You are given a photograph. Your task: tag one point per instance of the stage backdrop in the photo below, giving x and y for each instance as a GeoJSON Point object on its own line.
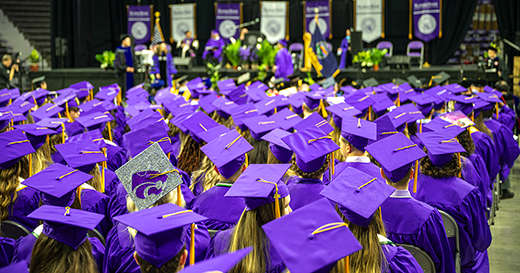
{"type": "Point", "coordinates": [426, 19]}
{"type": "Point", "coordinates": [229, 17]}
{"type": "Point", "coordinates": [322, 9]}
{"type": "Point", "coordinates": [273, 23]}
{"type": "Point", "coordinates": [182, 19]}
{"type": "Point", "coordinates": [139, 23]}
{"type": "Point", "coordinates": [369, 19]}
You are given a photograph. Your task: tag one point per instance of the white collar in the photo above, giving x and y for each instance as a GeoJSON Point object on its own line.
{"type": "Point", "coordinates": [401, 194]}
{"type": "Point", "coordinates": [360, 159]}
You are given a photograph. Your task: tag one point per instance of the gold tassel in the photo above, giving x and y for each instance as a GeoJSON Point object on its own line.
{"type": "Point", "coordinates": [416, 172]}
{"type": "Point", "coordinates": [440, 19]}
{"type": "Point", "coordinates": [398, 100]}
{"type": "Point", "coordinates": [179, 201]}
{"type": "Point", "coordinates": [323, 110]}
{"type": "Point", "coordinates": [383, 19]}
{"type": "Point", "coordinates": [67, 111]}
{"type": "Point", "coordinates": [496, 106]}
{"type": "Point", "coordinates": [420, 126]}
{"type": "Point", "coordinates": [247, 161]}
{"type": "Point", "coordinates": [109, 131]}
{"type": "Point", "coordinates": [192, 244]}
{"type": "Point", "coordinates": [347, 265]}
{"type": "Point", "coordinates": [460, 165]}
{"type": "Point", "coordinates": [30, 165]}
{"type": "Point", "coordinates": [410, 22]}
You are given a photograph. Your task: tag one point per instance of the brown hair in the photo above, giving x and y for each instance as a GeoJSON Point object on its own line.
{"type": "Point", "coordinates": [314, 175]}
{"type": "Point", "coordinates": [481, 126]}
{"type": "Point", "coordinates": [450, 169]}
{"type": "Point", "coordinates": [259, 154]}
{"type": "Point", "coordinates": [52, 256]}
{"type": "Point", "coordinates": [191, 156]}
{"type": "Point", "coordinates": [170, 266]}
{"type": "Point", "coordinates": [336, 137]}
{"type": "Point", "coordinates": [206, 175]}
{"type": "Point", "coordinates": [271, 159]}
{"type": "Point", "coordinates": [466, 141]}
{"type": "Point", "coordinates": [10, 182]}
{"type": "Point", "coordinates": [95, 182]}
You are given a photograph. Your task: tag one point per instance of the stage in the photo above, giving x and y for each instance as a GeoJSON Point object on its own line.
{"type": "Point", "coordinates": [62, 78]}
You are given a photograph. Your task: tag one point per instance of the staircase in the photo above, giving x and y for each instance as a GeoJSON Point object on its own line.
{"type": "Point", "coordinates": [33, 20]}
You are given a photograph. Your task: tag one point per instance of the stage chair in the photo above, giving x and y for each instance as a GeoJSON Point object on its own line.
{"type": "Point", "coordinates": [13, 230]}
{"type": "Point", "coordinates": [94, 233]}
{"type": "Point", "coordinates": [418, 52]}
{"type": "Point", "coordinates": [139, 48]}
{"type": "Point", "coordinates": [386, 45]}
{"type": "Point", "coordinates": [424, 260]}
{"type": "Point", "coordinates": [297, 49]}
{"type": "Point", "coordinates": [452, 231]}
{"type": "Point", "coordinates": [212, 232]}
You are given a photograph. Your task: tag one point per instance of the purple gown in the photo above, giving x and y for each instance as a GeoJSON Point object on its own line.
{"type": "Point", "coordinates": [73, 128]}
{"type": "Point", "coordinates": [343, 57]}
{"type": "Point", "coordinates": [503, 138]}
{"type": "Point", "coordinates": [486, 149]}
{"type": "Point", "coordinates": [461, 201]}
{"type": "Point", "coordinates": [6, 251]}
{"type": "Point", "coordinates": [419, 225]}
{"type": "Point", "coordinates": [361, 163]}
{"type": "Point", "coordinates": [283, 62]}
{"type": "Point", "coordinates": [96, 202]}
{"type": "Point", "coordinates": [222, 212]}
{"type": "Point", "coordinates": [116, 157]}
{"type": "Point", "coordinates": [473, 177]}
{"type": "Point", "coordinates": [27, 201]}
{"type": "Point", "coordinates": [208, 50]}
{"type": "Point", "coordinates": [399, 260]}
{"type": "Point", "coordinates": [304, 191]}
{"type": "Point", "coordinates": [506, 117]}
{"type": "Point", "coordinates": [170, 68]}
{"type": "Point", "coordinates": [220, 243]}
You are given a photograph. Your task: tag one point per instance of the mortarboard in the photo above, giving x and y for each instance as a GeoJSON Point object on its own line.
{"type": "Point", "coordinates": [384, 128]}
{"type": "Point", "coordinates": [87, 106]}
{"type": "Point", "coordinates": [492, 98]}
{"type": "Point", "coordinates": [141, 139]}
{"type": "Point", "coordinates": [370, 82]}
{"type": "Point", "coordinates": [226, 85]}
{"type": "Point", "coordinates": [66, 225]}
{"type": "Point", "coordinates": [46, 111]}
{"type": "Point", "coordinates": [81, 155]}
{"type": "Point", "coordinates": [222, 263]}
{"type": "Point", "coordinates": [109, 92]}
{"type": "Point", "coordinates": [342, 110]}
{"type": "Point", "coordinates": [213, 133]}
{"type": "Point", "coordinates": [424, 102]}
{"type": "Point", "coordinates": [227, 152]}
{"type": "Point", "coordinates": [313, 99]}
{"type": "Point", "coordinates": [256, 93]}
{"type": "Point", "coordinates": [458, 118]}
{"type": "Point", "coordinates": [21, 107]}
{"type": "Point", "coordinates": [440, 78]}
{"type": "Point", "coordinates": [207, 103]}
{"type": "Point", "coordinates": [260, 125]}
{"type": "Point", "coordinates": [399, 81]}
{"type": "Point", "coordinates": [52, 123]}
{"type": "Point", "coordinates": [280, 150]}
{"type": "Point", "coordinates": [359, 100]}
{"type": "Point", "coordinates": [358, 195]}
{"type": "Point", "coordinates": [178, 119]}
{"type": "Point", "coordinates": [464, 103]}
{"type": "Point", "coordinates": [456, 88]}
{"type": "Point", "coordinates": [266, 106]}
{"type": "Point", "coordinates": [314, 120]}
{"type": "Point", "coordinates": [312, 238]}
{"type": "Point", "coordinates": [146, 118]}
{"type": "Point", "coordinates": [440, 125]}
{"type": "Point", "coordinates": [67, 95]}
{"type": "Point", "coordinates": [404, 114]}
{"type": "Point", "coordinates": [95, 136]}
{"type": "Point", "coordinates": [36, 134]}
{"type": "Point", "coordinates": [286, 119]}
{"type": "Point", "coordinates": [224, 106]}
{"type": "Point", "coordinates": [7, 94]}
{"type": "Point", "coordinates": [358, 132]}
{"type": "Point", "coordinates": [238, 95]}
{"type": "Point", "coordinates": [414, 81]}
{"type": "Point", "coordinates": [38, 80]}
{"type": "Point", "coordinates": [95, 120]}
{"type": "Point", "coordinates": [481, 106]}
{"type": "Point", "coordinates": [15, 145]}
{"type": "Point", "coordinates": [441, 146]}
{"type": "Point", "coordinates": [242, 112]}
{"type": "Point", "coordinates": [198, 122]}
{"type": "Point", "coordinates": [296, 101]}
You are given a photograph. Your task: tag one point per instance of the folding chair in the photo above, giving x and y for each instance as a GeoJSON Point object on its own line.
{"type": "Point", "coordinates": [452, 231]}
{"type": "Point", "coordinates": [139, 48]}
{"type": "Point", "coordinates": [13, 230]}
{"type": "Point", "coordinates": [386, 45]}
{"type": "Point", "coordinates": [424, 260]}
{"type": "Point", "coordinates": [94, 233]}
{"type": "Point", "coordinates": [418, 52]}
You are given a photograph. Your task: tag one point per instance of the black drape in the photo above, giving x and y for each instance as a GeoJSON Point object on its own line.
{"type": "Point", "coordinates": [508, 17]}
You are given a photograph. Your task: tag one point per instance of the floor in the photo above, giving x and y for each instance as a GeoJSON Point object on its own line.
{"type": "Point", "coordinates": [504, 253]}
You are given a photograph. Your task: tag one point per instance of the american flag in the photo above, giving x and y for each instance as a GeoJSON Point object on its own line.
{"type": "Point", "coordinates": [157, 35]}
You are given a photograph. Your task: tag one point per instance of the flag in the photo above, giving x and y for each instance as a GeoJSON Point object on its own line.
{"type": "Point", "coordinates": [322, 57]}
{"type": "Point", "coordinates": [157, 35]}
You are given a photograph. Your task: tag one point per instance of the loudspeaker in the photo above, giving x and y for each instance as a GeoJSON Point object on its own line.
{"type": "Point", "coordinates": [356, 42]}
{"type": "Point", "coordinates": [251, 38]}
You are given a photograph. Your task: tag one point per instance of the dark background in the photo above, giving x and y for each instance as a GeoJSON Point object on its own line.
{"type": "Point", "coordinates": [88, 27]}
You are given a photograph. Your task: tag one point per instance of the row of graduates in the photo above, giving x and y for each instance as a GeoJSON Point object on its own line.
{"type": "Point", "coordinates": [265, 130]}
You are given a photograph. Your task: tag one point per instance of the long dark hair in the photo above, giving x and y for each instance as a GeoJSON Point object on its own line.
{"type": "Point", "coordinates": [191, 156]}
{"type": "Point", "coordinates": [259, 154]}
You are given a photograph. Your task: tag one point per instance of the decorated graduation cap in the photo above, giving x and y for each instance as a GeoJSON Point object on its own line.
{"type": "Point", "coordinates": [458, 118]}
{"type": "Point", "coordinates": [286, 119]}
{"type": "Point", "coordinates": [260, 125]}
{"type": "Point", "coordinates": [15, 145]}
{"type": "Point", "coordinates": [311, 239]}
{"type": "Point", "coordinates": [66, 225]}
{"type": "Point", "coordinates": [141, 139]}
{"type": "Point", "coordinates": [242, 112]}
{"type": "Point", "coordinates": [311, 147]}
{"type": "Point", "coordinates": [441, 146]}
{"type": "Point", "coordinates": [314, 120]}
{"type": "Point", "coordinates": [161, 231]}
{"type": "Point", "coordinates": [280, 150]}
{"type": "Point", "coordinates": [221, 263]}
{"type": "Point", "coordinates": [261, 184]}
{"type": "Point", "coordinates": [224, 107]}
{"type": "Point", "coordinates": [228, 153]}
{"type": "Point", "coordinates": [440, 78]}
{"type": "Point", "coordinates": [36, 134]}
{"type": "Point", "coordinates": [342, 110]}
{"type": "Point", "coordinates": [198, 122]}
{"type": "Point", "coordinates": [82, 155]}
{"type": "Point", "coordinates": [46, 111]}
{"type": "Point", "coordinates": [358, 195]}
{"type": "Point", "coordinates": [57, 184]}
{"type": "Point", "coordinates": [213, 133]}
{"type": "Point", "coordinates": [358, 132]}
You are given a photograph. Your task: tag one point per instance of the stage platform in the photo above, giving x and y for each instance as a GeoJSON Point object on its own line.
{"type": "Point", "coordinates": [61, 78]}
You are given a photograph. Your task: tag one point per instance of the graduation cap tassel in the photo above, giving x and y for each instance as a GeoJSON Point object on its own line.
{"type": "Point", "coordinates": [440, 19]}
{"type": "Point", "coordinates": [473, 117]}
{"type": "Point", "coordinates": [410, 24]}
{"type": "Point", "coordinates": [30, 165]}
{"type": "Point", "coordinates": [192, 244]}
{"type": "Point", "coordinates": [247, 161]}
{"type": "Point", "coordinates": [398, 100]}
{"type": "Point", "coordinates": [78, 193]}
{"type": "Point", "coordinates": [331, 165]}
{"type": "Point", "coordinates": [415, 173]}
{"type": "Point", "coordinates": [347, 265]}
{"type": "Point", "coordinates": [369, 116]}
{"type": "Point", "coordinates": [67, 111]}
{"type": "Point", "coordinates": [460, 165]}
{"type": "Point", "coordinates": [496, 108]}
{"type": "Point", "coordinates": [323, 111]}
{"type": "Point", "coordinates": [179, 201]}
{"type": "Point", "coordinates": [420, 126]}
{"type": "Point", "coordinates": [47, 140]}
{"type": "Point", "coordinates": [110, 131]}
{"type": "Point", "coordinates": [63, 133]}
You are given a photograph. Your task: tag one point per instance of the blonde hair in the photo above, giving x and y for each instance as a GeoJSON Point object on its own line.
{"type": "Point", "coordinates": [9, 183]}
{"type": "Point", "coordinates": [206, 175]}
{"type": "Point", "coordinates": [96, 182]}
{"type": "Point", "coordinates": [336, 137]}
{"type": "Point", "coordinates": [41, 158]}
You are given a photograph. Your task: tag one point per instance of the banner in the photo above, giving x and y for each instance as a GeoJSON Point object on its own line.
{"type": "Point", "coordinates": [322, 57]}
{"type": "Point", "coordinates": [139, 18]}
{"type": "Point", "coordinates": [273, 21]}
{"type": "Point", "coordinates": [229, 17]}
{"type": "Point", "coordinates": [182, 18]}
{"type": "Point", "coordinates": [369, 19]}
{"type": "Point", "coordinates": [426, 18]}
{"type": "Point", "coordinates": [322, 9]}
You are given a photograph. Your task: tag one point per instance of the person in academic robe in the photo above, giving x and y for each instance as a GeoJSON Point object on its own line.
{"type": "Point", "coordinates": [163, 67]}
{"type": "Point", "coordinates": [495, 62]}
{"type": "Point", "coordinates": [344, 51]}
{"type": "Point", "coordinates": [124, 64]}
{"type": "Point", "coordinates": [283, 66]}
{"type": "Point", "coordinates": [214, 48]}
{"type": "Point", "coordinates": [188, 45]}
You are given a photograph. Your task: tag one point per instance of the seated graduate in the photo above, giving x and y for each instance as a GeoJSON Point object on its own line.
{"type": "Point", "coordinates": [313, 149]}
{"type": "Point", "coordinates": [17, 200]}
{"type": "Point", "coordinates": [150, 180]}
{"type": "Point", "coordinates": [358, 197]}
{"type": "Point", "coordinates": [266, 198]}
{"type": "Point", "coordinates": [37, 136]}
{"type": "Point", "coordinates": [283, 66]}
{"type": "Point", "coordinates": [160, 237]}
{"type": "Point", "coordinates": [338, 112]}
{"type": "Point", "coordinates": [228, 153]}
{"type": "Point", "coordinates": [439, 186]}
{"type": "Point", "coordinates": [407, 220]}
{"type": "Point", "coordinates": [214, 48]}
{"type": "Point", "coordinates": [188, 45]}
{"type": "Point", "coordinates": [295, 235]}
{"type": "Point", "coordinates": [63, 243]}
{"type": "Point", "coordinates": [58, 186]}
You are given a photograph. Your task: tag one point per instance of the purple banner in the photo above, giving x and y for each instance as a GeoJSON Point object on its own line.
{"type": "Point", "coordinates": [322, 8]}
{"type": "Point", "coordinates": [228, 19]}
{"type": "Point", "coordinates": [139, 23]}
{"type": "Point", "coordinates": [426, 19]}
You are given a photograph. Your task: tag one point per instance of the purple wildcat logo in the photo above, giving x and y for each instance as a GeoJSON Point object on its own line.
{"type": "Point", "coordinates": [143, 186]}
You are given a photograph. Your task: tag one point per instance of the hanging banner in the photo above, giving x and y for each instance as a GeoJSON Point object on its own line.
{"type": "Point", "coordinates": [426, 18]}
{"type": "Point", "coordinates": [322, 9]}
{"type": "Point", "coordinates": [182, 18]}
{"type": "Point", "coordinates": [273, 22]}
{"type": "Point", "coordinates": [139, 27]}
{"type": "Point", "coordinates": [229, 17]}
{"type": "Point", "coordinates": [369, 19]}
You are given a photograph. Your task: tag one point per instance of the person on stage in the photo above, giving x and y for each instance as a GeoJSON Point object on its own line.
{"type": "Point", "coordinates": [124, 64]}
{"type": "Point", "coordinates": [188, 45]}
{"type": "Point", "coordinates": [494, 61]}
{"type": "Point", "coordinates": [344, 50]}
{"type": "Point", "coordinates": [163, 67]}
{"type": "Point", "coordinates": [283, 66]}
{"type": "Point", "coordinates": [7, 69]}
{"type": "Point", "coordinates": [214, 48]}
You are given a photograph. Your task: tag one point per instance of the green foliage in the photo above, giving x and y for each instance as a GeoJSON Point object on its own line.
{"type": "Point", "coordinates": [35, 56]}
{"type": "Point", "coordinates": [232, 52]}
{"type": "Point", "coordinates": [266, 53]}
{"type": "Point", "coordinates": [106, 59]}
{"type": "Point", "coordinates": [309, 79]}
{"type": "Point", "coordinates": [262, 72]}
{"type": "Point", "coordinates": [213, 73]}
{"type": "Point", "coordinates": [370, 57]}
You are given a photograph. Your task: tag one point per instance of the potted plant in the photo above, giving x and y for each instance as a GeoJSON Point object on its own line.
{"type": "Point", "coordinates": [214, 74]}
{"type": "Point", "coordinates": [106, 59]}
{"type": "Point", "coordinates": [370, 58]}
{"type": "Point", "coordinates": [232, 53]}
{"type": "Point", "coordinates": [35, 60]}
{"type": "Point", "coordinates": [266, 53]}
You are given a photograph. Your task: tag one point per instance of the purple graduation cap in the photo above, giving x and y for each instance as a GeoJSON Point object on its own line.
{"type": "Point", "coordinates": [242, 112]}
{"type": "Point", "coordinates": [66, 95]}
{"type": "Point", "coordinates": [148, 176]}
{"type": "Point", "coordinates": [141, 139]}
{"type": "Point", "coordinates": [314, 120]}
{"type": "Point", "coordinates": [440, 125]}
{"type": "Point", "coordinates": [228, 152]}
{"type": "Point", "coordinates": [382, 106]}
{"type": "Point", "coordinates": [21, 107]}
{"type": "Point", "coordinates": [51, 123]}
{"type": "Point", "coordinates": [311, 239]}
{"type": "Point", "coordinates": [340, 111]}
{"type": "Point", "coordinates": [313, 99]}
{"type": "Point", "coordinates": [82, 155]}
{"type": "Point", "coordinates": [491, 98]}
{"type": "Point", "coordinates": [46, 111]}
{"type": "Point", "coordinates": [396, 155]}
{"type": "Point", "coordinates": [296, 101]}
{"type": "Point", "coordinates": [179, 106]}
{"type": "Point", "coordinates": [225, 86]}
{"type": "Point", "coordinates": [6, 115]}
{"type": "Point", "coordinates": [37, 135]}
{"type": "Point", "coordinates": [424, 103]}
{"type": "Point", "coordinates": [87, 106]}
{"type": "Point", "coordinates": [359, 100]}
{"type": "Point", "coordinates": [7, 94]}
{"type": "Point", "coordinates": [384, 128]}
{"type": "Point", "coordinates": [95, 120]}
{"type": "Point", "coordinates": [198, 122]}
{"type": "Point", "coordinates": [464, 103]}
{"type": "Point", "coordinates": [161, 231]}
{"type": "Point", "coordinates": [206, 103]}
{"type": "Point", "coordinates": [15, 145]}
{"type": "Point", "coordinates": [260, 125]}
{"type": "Point", "coordinates": [146, 118]}
{"type": "Point", "coordinates": [213, 133]}
{"type": "Point", "coordinates": [108, 92]}
{"type": "Point", "coordinates": [481, 106]}
{"type": "Point", "coordinates": [280, 150]}
{"type": "Point", "coordinates": [57, 184]}
{"type": "Point", "coordinates": [404, 114]}
{"type": "Point", "coordinates": [256, 93]}
{"type": "Point", "coordinates": [441, 146]}
{"type": "Point", "coordinates": [261, 184]}
{"type": "Point", "coordinates": [95, 136]}
{"type": "Point", "coordinates": [358, 195]}
{"type": "Point", "coordinates": [179, 119]}
{"type": "Point", "coordinates": [221, 263]}
{"type": "Point", "coordinates": [238, 95]}
{"type": "Point", "coordinates": [286, 119]}
{"type": "Point", "coordinates": [311, 147]}
{"type": "Point", "coordinates": [66, 225]}
{"type": "Point", "coordinates": [266, 106]}
{"type": "Point", "coordinates": [20, 267]}
{"type": "Point", "coordinates": [358, 132]}
{"type": "Point", "coordinates": [224, 107]}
